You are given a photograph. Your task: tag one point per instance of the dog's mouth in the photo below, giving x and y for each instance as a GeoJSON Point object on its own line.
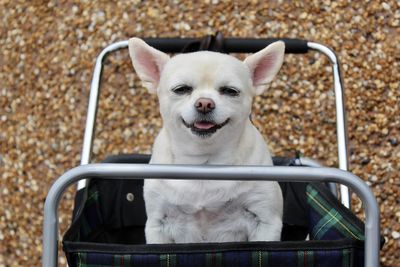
{"type": "Point", "coordinates": [204, 128]}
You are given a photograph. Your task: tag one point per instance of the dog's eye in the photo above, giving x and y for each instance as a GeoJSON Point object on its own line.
{"type": "Point", "coordinates": [182, 89]}
{"type": "Point", "coordinates": [230, 91]}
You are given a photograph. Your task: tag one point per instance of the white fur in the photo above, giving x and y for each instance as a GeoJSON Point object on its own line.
{"type": "Point", "coordinates": [187, 211]}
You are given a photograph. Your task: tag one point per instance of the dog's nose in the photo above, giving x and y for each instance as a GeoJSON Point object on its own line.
{"type": "Point", "coordinates": [204, 105]}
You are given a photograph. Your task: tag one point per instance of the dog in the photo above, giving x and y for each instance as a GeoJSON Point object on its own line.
{"type": "Point", "coordinates": [205, 103]}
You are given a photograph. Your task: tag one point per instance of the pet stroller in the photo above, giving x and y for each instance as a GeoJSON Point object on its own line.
{"type": "Point", "coordinates": [109, 216]}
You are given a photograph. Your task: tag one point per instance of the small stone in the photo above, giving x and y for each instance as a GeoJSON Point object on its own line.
{"type": "Point", "coordinates": [373, 178]}
{"type": "Point", "coordinates": [393, 141]}
{"type": "Point", "coordinates": [303, 15]}
{"type": "Point", "coordinates": [152, 12]}
{"type": "Point", "coordinates": [127, 133]}
{"type": "Point", "coordinates": [395, 235]}
{"type": "Point", "coordinates": [386, 6]}
{"type": "Point", "coordinates": [75, 9]}
{"type": "Point", "coordinates": [365, 161]}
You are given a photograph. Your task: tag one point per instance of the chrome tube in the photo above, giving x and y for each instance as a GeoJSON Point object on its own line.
{"type": "Point", "coordinates": [341, 122]}
{"type": "Point", "coordinates": [93, 103]}
{"type": "Point", "coordinates": [313, 163]}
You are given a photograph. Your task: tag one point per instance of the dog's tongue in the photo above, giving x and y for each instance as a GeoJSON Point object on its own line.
{"type": "Point", "coordinates": [204, 125]}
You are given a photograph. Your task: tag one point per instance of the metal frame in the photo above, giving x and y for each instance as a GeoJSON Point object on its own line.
{"type": "Point", "coordinates": [341, 125]}
{"type": "Point", "coordinates": [314, 163]}
{"type": "Point", "coordinates": [341, 121]}
{"type": "Point", "coordinates": [93, 104]}
{"type": "Point", "coordinates": [255, 173]}
{"type": "Point", "coordinates": [289, 174]}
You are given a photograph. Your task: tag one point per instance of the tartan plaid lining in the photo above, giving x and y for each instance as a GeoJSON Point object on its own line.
{"type": "Point", "coordinates": [260, 258]}
{"type": "Point", "coordinates": [326, 223]}
{"type": "Point", "coordinates": [75, 247]}
{"type": "Point", "coordinates": [329, 218]}
{"type": "Point", "coordinates": [91, 218]}
{"type": "Point", "coordinates": [300, 258]}
{"type": "Point", "coordinates": [305, 258]}
{"type": "Point", "coordinates": [346, 258]}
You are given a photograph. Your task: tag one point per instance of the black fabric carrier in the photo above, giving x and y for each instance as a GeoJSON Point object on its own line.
{"type": "Point", "coordinates": [109, 219]}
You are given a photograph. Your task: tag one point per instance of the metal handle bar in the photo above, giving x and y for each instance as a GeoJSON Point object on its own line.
{"type": "Point", "coordinates": [230, 45]}
{"type": "Point", "coordinates": [255, 173]}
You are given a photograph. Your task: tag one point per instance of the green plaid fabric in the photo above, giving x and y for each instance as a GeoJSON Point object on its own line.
{"type": "Point", "coordinates": [92, 218]}
{"type": "Point", "coordinates": [344, 257]}
{"type": "Point", "coordinates": [329, 220]}
{"type": "Point", "coordinates": [336, 235]}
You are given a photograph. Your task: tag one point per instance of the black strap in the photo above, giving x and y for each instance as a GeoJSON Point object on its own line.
{"type": "Point", "coordinates": [225, 45]}
{"type": "Point", "coordinates": [209, 42]}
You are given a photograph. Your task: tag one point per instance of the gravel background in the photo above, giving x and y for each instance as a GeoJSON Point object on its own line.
{"type": "Point", "coordinates": [47, 54]}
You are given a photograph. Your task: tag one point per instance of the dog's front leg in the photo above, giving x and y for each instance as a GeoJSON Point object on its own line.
{"type": "Point", "coordinates": [155, 232]}
{"type": "Point", "coordinates": [156, 208]}
{"type": "Point", "coordinates": [266, 213]}
{"type": "Point", "coordinates": [267, 231]}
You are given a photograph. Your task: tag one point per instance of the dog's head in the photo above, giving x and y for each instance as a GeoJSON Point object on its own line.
{"type": "Point", "coordinates": [203, 94]}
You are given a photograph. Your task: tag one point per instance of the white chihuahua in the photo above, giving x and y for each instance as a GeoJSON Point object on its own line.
{"type": "Point", "coordinates": [205, 103]}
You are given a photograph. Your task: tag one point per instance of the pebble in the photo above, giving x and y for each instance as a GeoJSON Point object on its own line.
{"type": "Point", "coordinates": [386, 6]}
{"type": "Point", "coordinates": [48, 55]}
{"type": "Point", "coordinates": [395, 235]}
{"type": "Point", "coordinates": [393, 141]}
{"type": "Point", "coordinates": [373, 178]}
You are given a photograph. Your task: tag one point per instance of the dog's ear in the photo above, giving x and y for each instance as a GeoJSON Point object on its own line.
{"type": "Point", "coordinates": [148, 62]}
{"type": "Point", "coordinates": [265, 64]}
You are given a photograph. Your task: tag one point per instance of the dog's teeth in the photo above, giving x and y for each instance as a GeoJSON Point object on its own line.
{"type": "Point", "coordinates": [204, 125]}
